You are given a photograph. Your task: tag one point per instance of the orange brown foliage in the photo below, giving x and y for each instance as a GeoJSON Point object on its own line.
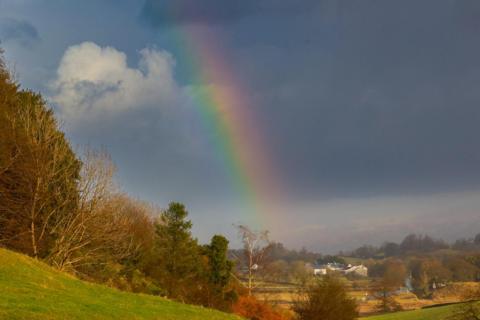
{"type": "Point", "coordinates": [251, 308]}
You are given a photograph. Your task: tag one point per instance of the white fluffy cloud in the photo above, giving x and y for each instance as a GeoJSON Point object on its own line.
{"type": "Point", "coordinates": [94, 81]}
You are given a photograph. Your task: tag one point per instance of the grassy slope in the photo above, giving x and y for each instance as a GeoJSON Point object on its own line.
{"type": "Point", "coordinates": [438, 313]}
{"type": "Point", "coordinates": [425, 314]}
{"type": "Point", "coordinates": [31, 290]}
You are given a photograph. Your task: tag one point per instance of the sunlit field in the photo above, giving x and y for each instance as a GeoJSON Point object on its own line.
{"type": "Point", "coordinates": [33, 290]}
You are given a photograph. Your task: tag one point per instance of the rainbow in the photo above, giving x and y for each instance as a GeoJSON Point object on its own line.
{"type": "Point", "coordinates": [227, 112]}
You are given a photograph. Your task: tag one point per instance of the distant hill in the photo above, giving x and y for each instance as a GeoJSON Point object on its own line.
{"type": "Point", "coordinates": [30, 289]}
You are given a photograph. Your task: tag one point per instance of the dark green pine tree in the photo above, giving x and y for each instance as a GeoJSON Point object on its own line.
{"type": "Point", "coordinates": [218, 294]}
{"type": "Point", "coordinates": [220, 266]}
{"type": "Point", "coordinates": [178, 253]}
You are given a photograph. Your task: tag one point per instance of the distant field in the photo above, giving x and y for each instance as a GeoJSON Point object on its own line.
{"type": "Point", "coordinates": [283, 295]}
{"type": "Point", "coordinates": [32, 290]}
{"type": "Point", "coordinates": [438, 313]}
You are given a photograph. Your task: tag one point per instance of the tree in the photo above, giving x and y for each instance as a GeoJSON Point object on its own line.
{"type": "Point", "coordinates": [220, 266]}
{"type": "Point", "coordinates": [393, 277]}
{"type": "Point", "coordinates": [327, 299]}
{"type": "Point", "coordinates": [477, 239]}
{"type": "Point", "coordinates": [277, 251]}
{"type": "Point", "coordinates": [460, 269]}
{"type": "Point", "coordinates": [39, 172]}
{"type": "Point", "coordinates": [426, 271]}
{"type": "Point", "coordinates": [419, 243]}
{"type": "Point", "coordinates": [464, 244]}
{"type": "Point", "coordinates": [365, 252]}
{"type": "Point", "coordinates": [83, 231]}
{"type": "Point", "coordinates": [255, 246]}
{"type": "Point", "coordinates": [178, 253]}
{"type": "Point", "coordinates": [219, 271]}
{"type": "Point", "coordinates": [300, 273]}
{"type": "Point", "coordinates": [391, 249]}
{"type": "Point", "coordinates": [277, 271]}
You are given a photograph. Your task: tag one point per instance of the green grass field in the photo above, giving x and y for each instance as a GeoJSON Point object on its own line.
{"type": "Point", "coordinates": [438, 313]}
{"type": "Point", "coordinates": [30, 289]}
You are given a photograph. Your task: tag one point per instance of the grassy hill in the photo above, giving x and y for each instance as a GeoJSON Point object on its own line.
{"type": "Point", "coordinates": [30, 289]}
{"type": "Point", "coordinates": [425, 314]}
{"type": "Point", "coordinates": [437, 313]}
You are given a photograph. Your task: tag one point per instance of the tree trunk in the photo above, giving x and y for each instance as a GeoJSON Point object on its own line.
{"type": "Point", "coordinates": [250, 275]}
{"type": "Point", "coordinates": [33, 215]}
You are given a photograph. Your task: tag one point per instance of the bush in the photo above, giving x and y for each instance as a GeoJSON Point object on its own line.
{"type": "Point", "coordinates": [326, 300]}
{"type": "Point", "coordinates": [251, 308]}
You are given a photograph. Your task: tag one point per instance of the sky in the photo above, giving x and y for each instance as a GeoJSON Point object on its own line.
{"type": "Point", "coordinates": [331, 123]}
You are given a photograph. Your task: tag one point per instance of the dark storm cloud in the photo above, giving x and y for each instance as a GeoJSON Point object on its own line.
{"type": "Point", "coordinates": [20, 31]}
{"type": "Point", "coordinates": [387, 102]}
{"type": "Point", "coordinates": [165, 12]}
{"type": "Point", "coordinates": [355, 97]}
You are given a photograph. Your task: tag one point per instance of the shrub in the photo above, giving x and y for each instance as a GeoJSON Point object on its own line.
{"type": "Point", "coordinates": [251, 308]}
{"type": "Point", "coordinates": [326, 300]}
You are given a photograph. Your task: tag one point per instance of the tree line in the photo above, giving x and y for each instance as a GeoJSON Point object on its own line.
{"type": "Point", "coordinates": [413, 244]}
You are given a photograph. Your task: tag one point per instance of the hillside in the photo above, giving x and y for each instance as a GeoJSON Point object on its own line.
{"type": "Point", "coordinates": [32, 290]}
{"type": "Point", "coordinates": [424, 314]}
{"type": "Point", "coordinates": [438, 313]}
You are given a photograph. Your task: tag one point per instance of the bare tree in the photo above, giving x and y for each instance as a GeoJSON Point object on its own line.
{"type": "Point", "coordinates": [255, 247]}
{"type": "Point", "coordinates": [74, 230]}
{"type": "Point", "coordinates": [104, 226]}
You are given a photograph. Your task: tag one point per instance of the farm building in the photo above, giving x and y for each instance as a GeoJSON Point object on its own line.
{"type": "Point", "coordinates": [360, 270]}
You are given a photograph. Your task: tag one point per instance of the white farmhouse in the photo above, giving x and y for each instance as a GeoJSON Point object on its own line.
{"type": "Point", "coordinates": [360, 270]}
{"type": "Point", "coordinates": [321, 270]}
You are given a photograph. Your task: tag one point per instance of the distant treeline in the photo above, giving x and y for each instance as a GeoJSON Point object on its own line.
{"type": "Point", "coordinates": [277, 251]}
{"type": "Point", "coordinates": [427, 262]}
{"type": "Point", "coordinates": [420, 262]}
{"type": "Point", "coordinates": [411, 244]}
